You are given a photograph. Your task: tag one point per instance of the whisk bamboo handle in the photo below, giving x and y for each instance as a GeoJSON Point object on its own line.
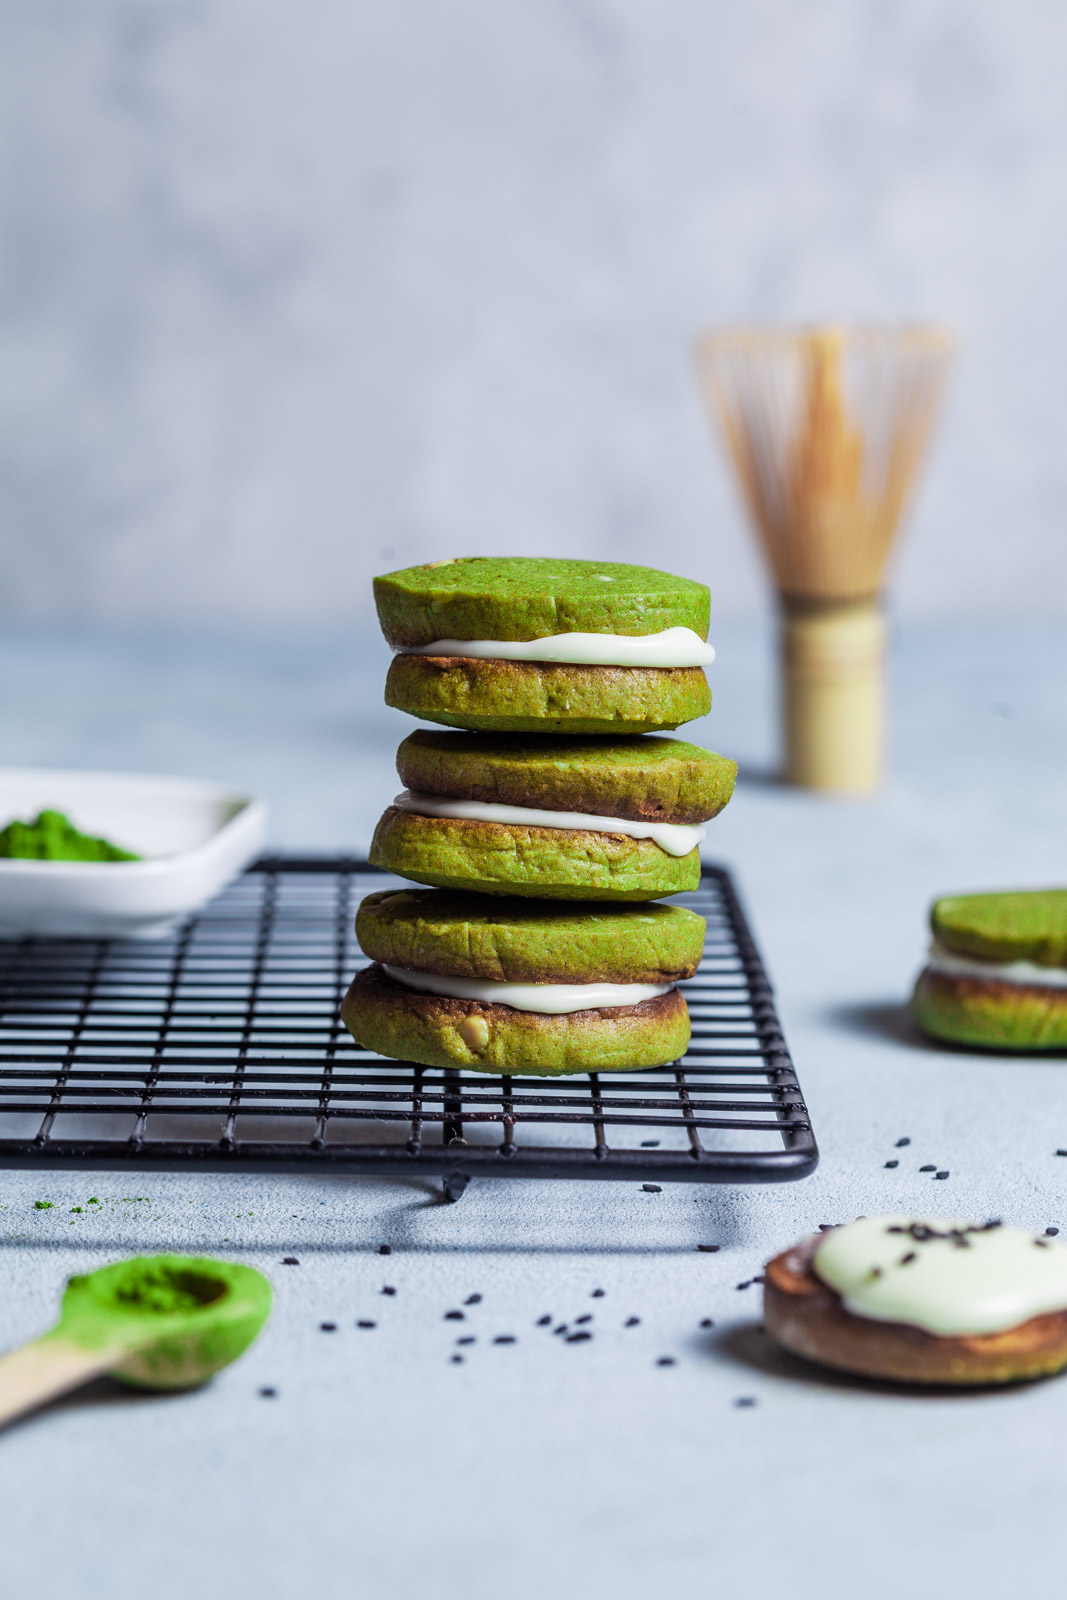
{"type": "Point", "coordinates": [833, 675]}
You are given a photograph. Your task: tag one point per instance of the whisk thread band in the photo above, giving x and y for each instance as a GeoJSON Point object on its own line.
{"type": "Point", "coordinates": [833, 659]}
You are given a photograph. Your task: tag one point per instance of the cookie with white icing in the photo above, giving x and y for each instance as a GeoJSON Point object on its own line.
{"type": "Point", "coordinates": [996, 975]}
{"type": "Point", "coordinates": [513, 644]}
{"type": "Point", "coordinates": [920, 1301]}
{"type": "Point", "coordinates": [555, 818]}
{"type": "Point", "coordinates": [522, 986]}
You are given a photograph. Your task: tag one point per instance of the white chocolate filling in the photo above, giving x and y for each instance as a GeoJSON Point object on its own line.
{"type": "Point", "coordinates": [673, 647]}
{"type": "Point", "coordinates": [945, 1277]}
{"type": "Point", "coordinates": [550, 999]}
{"type": "Point", "coordinates": [1021, 972]}
{"type": "Point", "coordinates": [676, 838]}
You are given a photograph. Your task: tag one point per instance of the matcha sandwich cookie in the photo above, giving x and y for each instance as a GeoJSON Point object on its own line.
{"type": "Point", "coordinates": [529, 645]}
{"type": "Point", "coordinates": [997, 971]}
{"type": "Point", "coordinates": [520, 986]}
{"type": "Point", "coordinates": [558, 818]}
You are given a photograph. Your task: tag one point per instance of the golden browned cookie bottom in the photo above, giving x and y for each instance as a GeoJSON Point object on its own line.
{"type": "Point", "coordinates": [989, 1013]}
{"type": "Point", "coordinates": [808, 1317]}
{"type": "Point", "coordinates": [437, 1031]}
{"type": "Point", "coordinates": [494, 696]}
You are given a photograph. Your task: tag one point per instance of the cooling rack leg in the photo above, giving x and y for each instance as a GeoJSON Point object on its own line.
{"type": "Point", "coordinates": [453, 1185]}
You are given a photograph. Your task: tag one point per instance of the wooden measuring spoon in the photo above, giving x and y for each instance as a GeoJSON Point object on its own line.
{"type": "Point", "coordinates": [156, 1322]}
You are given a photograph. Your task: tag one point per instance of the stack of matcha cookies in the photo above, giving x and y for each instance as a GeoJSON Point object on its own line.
{"type": "Point", "coordinates": [546, 824]}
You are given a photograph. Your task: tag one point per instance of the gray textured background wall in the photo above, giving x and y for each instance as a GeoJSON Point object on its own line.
{"type": "Point", "coordinates": [294, 290]}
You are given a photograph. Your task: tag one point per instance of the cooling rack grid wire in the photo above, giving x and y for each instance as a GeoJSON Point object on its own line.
{"type": "Point", "coordinates": [219, 1048]}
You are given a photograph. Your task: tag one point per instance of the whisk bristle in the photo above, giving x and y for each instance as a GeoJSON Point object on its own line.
{"type": "Point", "coordinates": [827, 428]}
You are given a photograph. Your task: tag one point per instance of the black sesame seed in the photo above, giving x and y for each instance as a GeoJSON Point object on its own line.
{"type": "Point", "coordinates": [455, 1360]}
{"type": "Point", "coordinates": [901, 1143]}
{"type": "Point", "coordinates": [746, 1285]}
{"type": "Point", "coordinates": [649, 1144]}
{"type": "Point", "coordinates": [631, 1322]}
{"type": "Point", "coordinates": [905, 1261]}
{"type": "Point", "coordinates": [468, 1338]}
{"type": "Point", "coordinates": [561, 1329]}
{"type": "Point", "coordinates": [652, 1188]}
{"type": "Point", "coordinates": [328, 1327]}
{"type": "Point", "coordinates": [473, 1300]}
{"type": "Point", "coordinates": [943, 1174]}
{"type": "Point", "coordinates": [1061, 1152]}
{"type": "Point", "coordinates": [387, 1288]}
{"type": "Point", "coordinates": [598, 1294]}
{"type": "Point", "coordinates": [542, 1322]}
{"type": "Point", "coordinates": [892, 1163]}
{"type": "Point", "coordinates": [288, 1261]}
{"type": "Point", "coordinates": [576, 1338]}
{"type": "Point", "coordinates": [587, 1318]}
{"type": "Point", "coordinates": [666, 1361]}
{"type": "Point", "coordinates": [745, 1402]}
{"type": "Point", "coordinates": [709, 1249]}
{"type": "Point", "coordinates": [269, 1394]}
{"type": "Point", "coordinates": [385, 1249]}
{"type": "Point", "coordinates": [455, 1316]}
{"type": "Point", "coordinates": [929, 1167]}
{"type": "Point", "coordinates": [706, 1322]}
{"type": "Point", "coordinates": [1052, 1232]}
{"type": "Point", "coordinates": [366, 1324]}
{"type": "Point", "coordinates": [505, 1338]}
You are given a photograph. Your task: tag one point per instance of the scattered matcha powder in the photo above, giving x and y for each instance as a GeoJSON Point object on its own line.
{"type": "Point", "coordinates": [42, 1205]}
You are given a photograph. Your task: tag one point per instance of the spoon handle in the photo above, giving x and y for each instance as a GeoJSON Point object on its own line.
{"type": "Point", "coordinates": [39, 1371]}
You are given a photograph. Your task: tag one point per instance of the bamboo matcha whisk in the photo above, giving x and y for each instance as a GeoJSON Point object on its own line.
{"type": "Point", "coordinates": [827, 428]}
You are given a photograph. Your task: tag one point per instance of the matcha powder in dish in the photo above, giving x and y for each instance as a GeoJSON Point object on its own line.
{"type": "Point", "coordinates": [53, 837]}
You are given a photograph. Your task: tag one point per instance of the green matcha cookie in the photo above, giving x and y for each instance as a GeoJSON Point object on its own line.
{"type": "Point", "coordinates": [549, 863]}
{"type": "Point", "coordinates": [990, 1014]}
{"type": "Point", "coordinates": [520, 598]}
{"type": "Point", "coordinates": [529, 941]}
{"type": "Point", "coordinates": [394, 1020]}
{"type": "Point", "coordinates": [495, 696]}
{"type": "Point", "coordinates": [1028, 925]}
{"type": "Point", "coordinates": [663, 780]}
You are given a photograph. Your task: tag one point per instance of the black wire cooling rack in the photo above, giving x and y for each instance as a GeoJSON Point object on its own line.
{"type": "Point", "coordinates": [219, 1048]}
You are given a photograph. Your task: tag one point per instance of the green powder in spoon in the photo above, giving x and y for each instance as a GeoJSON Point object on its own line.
{"type": "Point", "coordinates": [159, 1288]}
{"type": "Point", "coordinates": [53, 837]}
{"type": "Point", "coordinates": [172, 1320]}
{"type": "Point", "coordinates": [156, 1322]}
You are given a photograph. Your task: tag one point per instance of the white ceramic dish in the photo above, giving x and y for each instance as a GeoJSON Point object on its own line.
{"type": "Point", "coordinates": [194, 837]}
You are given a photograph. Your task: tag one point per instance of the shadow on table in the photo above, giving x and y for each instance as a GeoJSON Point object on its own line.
{"type": "Point", "coordinates": [751, 1347]}
{"type": "Point", "coordinates": [491, 1217]}
{"type": "Point", "coordinates": [888, 1020]}
{"type": "Point", "coordinates": [101, 1393]}
{"type": "Point", "coordinates": [892, 1021]}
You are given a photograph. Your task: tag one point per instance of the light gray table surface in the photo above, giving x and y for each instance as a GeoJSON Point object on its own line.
{"type": "Point", "coordinates": [541, 1468]}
